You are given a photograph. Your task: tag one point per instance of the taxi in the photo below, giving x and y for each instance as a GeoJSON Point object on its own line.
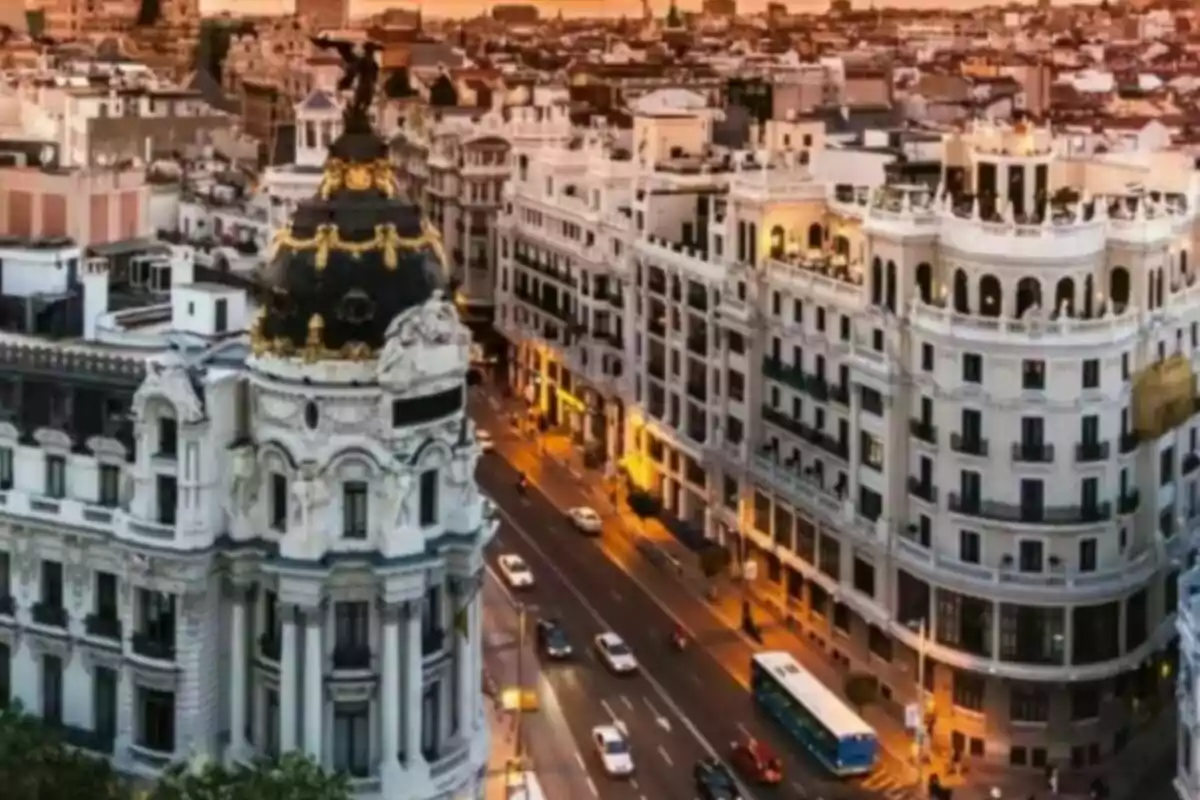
{"type": "Point", "coordinates": [755, 760]}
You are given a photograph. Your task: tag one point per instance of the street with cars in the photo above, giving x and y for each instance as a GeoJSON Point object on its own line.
{"type": "Point", "coordinates": [604, 619]}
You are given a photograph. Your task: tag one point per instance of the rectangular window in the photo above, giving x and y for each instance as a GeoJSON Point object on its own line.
{"type": "Point", "coordinates": [106, 595]}
{"type": "Point", "coordinates": [429, 498]}
{"type": "Point", "coordinates": [104, 703]}
{"type": "Point", "coordinates": [968, 690]}
{"type": "Point", "coordinates": [352, 739]}
{"type": "Point", "coordinates": [168, 437]}
{"type": "Point", "coordinates": [5, 675]}
{"type": "Point", "coordinates": [1029, 703]}
{"type": "Point", "coordinates": [168, 499]}
{"type": "Point", "coordinates": [56, 476]}
{"type": "Point", "coordinates": [1087, 555]}
{"type": "Point", "coordinates": [279, 501]}
{"type": "Point", "coordinates": [109, 494]}
{"type": "Point", "coordinates": [970, 551]}
{"type": "Point", "coordinates": [52, 584]}
{"type": "Point", "coordinates": [354, 510]}
{"type": "Point", "coordinates": [6, 468]}
{"type": "Point", "coordinates": [1091, 373]}
{"type": "Point", "coordinates": [156, 720]}
{"type": "Point", "coordinates": [1033, 374]}
{"type": "Point", "coordinates": [352, 623]}
{"type": "Point", "coordinates": [972, 368]}
{"type": "Point", "coordinates": [52, 690]}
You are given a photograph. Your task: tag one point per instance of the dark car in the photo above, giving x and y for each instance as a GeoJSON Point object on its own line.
{"type": "Point", "coordinates": [714, 782]}
{"type": "Point", "coordinates": [552, 641]}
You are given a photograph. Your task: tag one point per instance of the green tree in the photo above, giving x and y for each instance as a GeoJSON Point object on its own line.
{"type": "Point", "coordinates": [292, 777]}
{"type": "Point", "coordinates": [861, 690]}
{"type": "Point", "coordinates": [36, 764]}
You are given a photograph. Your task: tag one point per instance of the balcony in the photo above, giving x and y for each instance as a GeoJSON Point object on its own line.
{"type": "Point", "coordinates": [776, 370]}
{"type": "Point", "coordinates": [1030, 515]}
{"type": "Point", "coordinates": [1129, 502]}
{"type": "Point", "coordinates": [922, 489]}
{"type": "Point", "coordinates": [816, 387]}
{"type": "Point", "coordinates": [269, 646]}
{"type": "Point", "coordinates": [103, 626]}
{"type": "Point", "coordinates": [1091, 452]}
{"type": "Point", "coordinates": [433, 641]}
{"type": "Point", "coordinates": [153, 647]}
{"type": "Point", "coordinates": [840, 394]}
{"type": "Point", "coordinates": [1129, 443]}
{"type": "Point", "coordinates": [1032, 453]}
{"type": "Point", "coordinates": [774, 416]}
{"type": "Point", "coordinates": [1190, 462]}
{"type": "Point", "coordinates": [84, 739]}
{"type": "Point", "coordinates": [352, 656]}
{"type": "Point", "coordinates": [8, 606]}
{"type": "Point", "coordinates": [924, 431]}
{"type": "Point", "coordinates": [52, 615]}
{"type": "Point", "coordinates": [969, 445]}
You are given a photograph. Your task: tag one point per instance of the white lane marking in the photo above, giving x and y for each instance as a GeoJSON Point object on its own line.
{"type": "Point", "coordinates": [800, 790]}
{"type": "Point", "coordinates": [744, 731]}
{"type": "Point", "coordinates": [579, 758]}
{"type": "Point", "coordinates": [633, 783]}
{"type": "Point", "coordinates": [592, 786]}
{"type": "Point", "coordinates": [608, 710]}
{"type": "Point", "coordinates": [662, 721]}
{"type": "Point", "coordinates": [587, 606]}
{"type": "Point", "coordinates": [662, 751]}
{"type": "Point", "coordinates": [628, 703]}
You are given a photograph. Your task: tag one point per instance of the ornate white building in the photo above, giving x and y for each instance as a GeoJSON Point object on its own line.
{"type": "Point", "coordinates": [961, 406]}
{"type": "Point", "coordinates": [221, 546]}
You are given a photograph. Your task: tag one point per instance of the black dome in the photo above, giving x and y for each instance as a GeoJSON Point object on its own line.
{"type": "Point", "coordinates": [352, 258]}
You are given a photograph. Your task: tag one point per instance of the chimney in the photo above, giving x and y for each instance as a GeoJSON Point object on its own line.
{"type": "Point", "coordinates": [95, 295]}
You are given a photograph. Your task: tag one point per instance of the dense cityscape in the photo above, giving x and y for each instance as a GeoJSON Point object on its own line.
{"type": "Point", "coordinates": [669, 403]}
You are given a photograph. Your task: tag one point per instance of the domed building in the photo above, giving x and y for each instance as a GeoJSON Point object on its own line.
{"type": "Point", "coordinates": [362, 481]}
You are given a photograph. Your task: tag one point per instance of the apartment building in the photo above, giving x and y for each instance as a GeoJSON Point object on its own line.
{"type": "Point", "coordinates": [943, 417]}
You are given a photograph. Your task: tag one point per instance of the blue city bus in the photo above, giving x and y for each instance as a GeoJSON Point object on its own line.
{"type": "Point", "coordinates": [812, 715]}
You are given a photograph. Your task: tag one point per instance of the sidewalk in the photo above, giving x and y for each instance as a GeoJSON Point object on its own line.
{"type": "Point", "coordinates": [1142, 761]}
{"type": "Point", "coordinates": [548, 746]}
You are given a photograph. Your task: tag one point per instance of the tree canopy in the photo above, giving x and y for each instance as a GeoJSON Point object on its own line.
{"type": "Point", "coordinates": [37, 764]}
{"type": "Point", "coordinates": [292, 777]}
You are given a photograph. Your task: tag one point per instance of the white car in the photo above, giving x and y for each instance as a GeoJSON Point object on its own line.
{"type": "Point", "coordinates": [486, 443]}
{"type": "Point", "coordinates": [586, 519]}
{"type": "Point", "coordinates": [516, 572]}
{"type": "Point", "coordinates": [613, 750]}
{"type": "Point", "coordinates": [616, 654]}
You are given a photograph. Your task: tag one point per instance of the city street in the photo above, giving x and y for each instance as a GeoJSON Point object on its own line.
{"type": "Point", "coordinates": [688, 703]}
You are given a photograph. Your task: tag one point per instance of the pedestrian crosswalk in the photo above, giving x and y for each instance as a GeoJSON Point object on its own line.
{"type": "Point", "coordinates": [889, 785]}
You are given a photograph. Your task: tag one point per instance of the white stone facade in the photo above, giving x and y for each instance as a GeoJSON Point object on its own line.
{"type": "Point", "coordinates": [915, 403]}
{"type": "Point", "coordinates": [279, 561]}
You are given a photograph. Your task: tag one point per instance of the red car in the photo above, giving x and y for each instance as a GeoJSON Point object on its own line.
{"type": "Point", "coordinates": [755, 760]}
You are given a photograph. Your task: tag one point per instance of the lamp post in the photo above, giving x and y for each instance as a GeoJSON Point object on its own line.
{"type": "Point", "coordinates": [919, 731]}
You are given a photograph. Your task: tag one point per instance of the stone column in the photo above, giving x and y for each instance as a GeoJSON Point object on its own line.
{"type": "Point", "coordinates": [237, 676]}
{"type": "Point", "coordinates": [467, 688]}
{"type": "Point", "coordinates": [314, 704]}
{"type": "Point", "coordinates": [289, 679]}
{"type": "Point", "coordinates": [389, 694]}
{"type": "Point", "coordinates": [413, 686]}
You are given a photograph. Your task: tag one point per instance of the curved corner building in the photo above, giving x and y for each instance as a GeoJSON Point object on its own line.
{"type": "Point", "coordinates": [224, 552]}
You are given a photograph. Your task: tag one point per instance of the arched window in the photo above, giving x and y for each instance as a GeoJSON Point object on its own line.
{"type": "Point", "coordinates": [778, 241]}
{"type": "Point", "coordinates": [1064, 297]}
{"type": "Point", "coordinates": [816, 236]}
{"type": "Point", "coordinates": [924, 280]}
{"type": "Point", "coordinates": [1118, 288]}
{"type": "Point", "coordinates": [1029, 295]}
{"type": "Point", "coordinates": [876, 282]}
{"type": "Point", "coordinates": [962, 293]}
{"type": "Point", "coordinates": [891, 285]}
{"type": "Point", "coordinates": [841, 246]}
{"type": "Point", "coordinates": [991, 297]}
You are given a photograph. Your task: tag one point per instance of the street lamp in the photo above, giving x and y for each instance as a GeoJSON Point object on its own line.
{"type": "Point", "coordinates": [919, 732]}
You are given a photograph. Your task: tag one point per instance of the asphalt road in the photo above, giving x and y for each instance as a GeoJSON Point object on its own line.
{"type": "Point", "coordinates": [589, 695]}
{"type": "Point", "coordinates": [592, 586]}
